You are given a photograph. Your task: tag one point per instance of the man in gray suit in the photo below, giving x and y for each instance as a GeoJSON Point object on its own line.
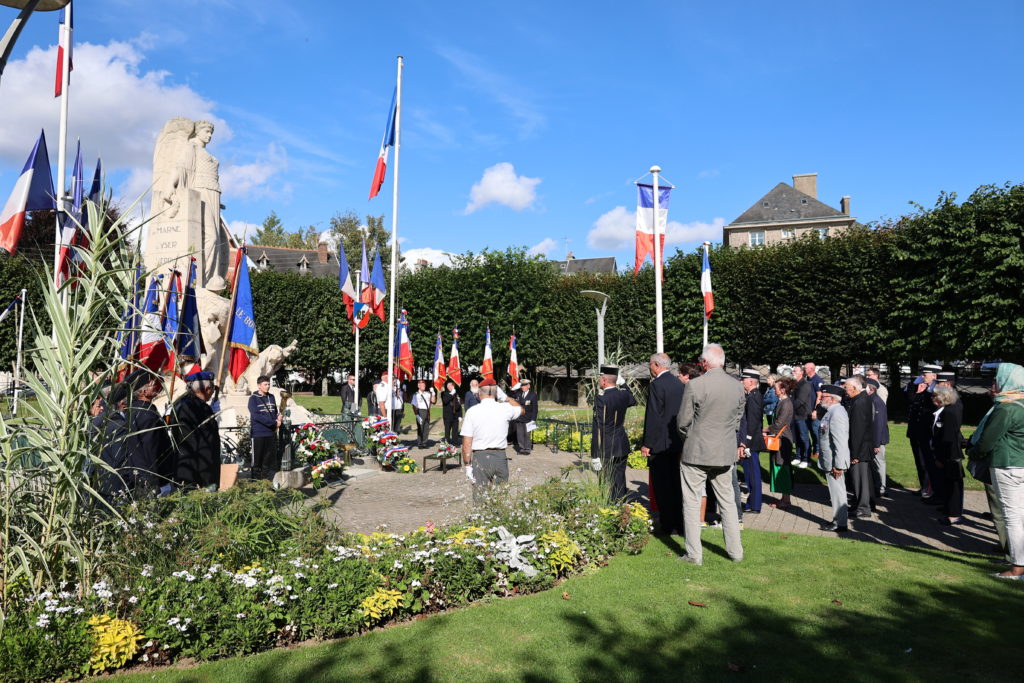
{"type": "Point", "coordinates": [710, 415]}
{"type": "Point", "coordinates": [835, 454]}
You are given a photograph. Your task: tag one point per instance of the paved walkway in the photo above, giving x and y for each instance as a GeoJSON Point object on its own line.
{"type": "Point", "coordinates": [371, 500]}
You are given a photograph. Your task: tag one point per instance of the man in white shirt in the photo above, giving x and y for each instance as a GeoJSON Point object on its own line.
{"type": "Point", "coordinates": [381, 393]}
{"type": "Point", "coordinates": [421, 402]}
{"type": "Point", "coordinates": [485, 438]}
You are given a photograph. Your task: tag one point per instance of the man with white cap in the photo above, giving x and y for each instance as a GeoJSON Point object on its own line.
{"type": "Point", "coordinates": [527, 398]}
{"type": "Point", "coordinates": [835, 454]}
{"type": "Point", "coordinates": [750, 438]}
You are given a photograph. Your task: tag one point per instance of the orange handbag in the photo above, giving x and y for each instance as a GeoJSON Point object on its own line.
{"type": "Point", "coordinates": [773, 442]}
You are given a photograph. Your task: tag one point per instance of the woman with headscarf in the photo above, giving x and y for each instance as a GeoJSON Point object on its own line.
{"type": "Point", "coordinates": [947, 449]}
{"type": "Point", "coordinates": [782, 426]}
{"type": "Point", "coordinates": [998, 445]}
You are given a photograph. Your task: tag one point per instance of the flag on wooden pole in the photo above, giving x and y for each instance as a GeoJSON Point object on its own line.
{"type": "Point", "coordinates": [513, 361]}
{"type": "Point", "coordinates": [439, 366]}
{"type": "Point", "coordinates": [454, 365]}
{"type": "Point", "coordinates": [487, 367]}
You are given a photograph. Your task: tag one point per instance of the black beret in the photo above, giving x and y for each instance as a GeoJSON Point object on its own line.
{"type": "Point", "coordinates": [833, 390]}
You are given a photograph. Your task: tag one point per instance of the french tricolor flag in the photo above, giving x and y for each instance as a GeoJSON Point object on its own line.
{"type": "Point", "coordinates": [440, 368]}
{"type": "Point", "coordinates": [385, 148]}
{"type": "Point", "coordinates": [513, 361]}
{"type": "Point", "coordinates": [403, 350]}
{"type": "Point", "coordinates": [647, 224]}
{"type": "Point", "coordinates": [487, 367]}
{"type": "Point", "coordinates": [454, 365]}
{"type": "Point", "coordinates": [705, 286]}
{"type": "Point", "coordinates": [33, 191]}
{"type": "Point", "coordinates": [152, 349]}
{"type": "Point", "coordinates": [67, 25]}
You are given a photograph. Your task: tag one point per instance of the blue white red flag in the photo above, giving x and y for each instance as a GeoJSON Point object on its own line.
{"type": "Point", "coordinates": [513, 360]}
{"type": "Point", "coordinates": [705, 286]}
{"type": "Point", "coordinates": [403, 349]}
{"type": "Point", "coordinates": [152, 349]}
{"type": "Point", "coordinates": [487, 367]}
{"type": "Point", "coordinates": [439, 366]}
{"type": "Point", "coordinates": [378, 289]}
{"type": "Point", "coordinates": [348, 292]}
{"type": "Point", "coordinates": [10, 307]}
{"type": "Point", "coordinates": [33, 191]}
{"type": "Point", "coordinates": [128, 337]}
{"type": "Point", "coordinates": [171, 320]}
{"type": "Point", "coordinates": [647, 224]}
{"type": "Point", "coordinates": [190, 331]}
{"type": "Point", "coordinates": [385, 147]}
{"type": "Point", "coordinates": [70, 222]}
{"type": "Point", "coordinates": [67, 25]}
{"type": "Point", "coordinates": [454, 365]}
{"type": "Point", "coordinates": [243, 325]}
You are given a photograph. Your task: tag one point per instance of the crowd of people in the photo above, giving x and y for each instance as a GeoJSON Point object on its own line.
{"type": "Point", "coordinates": [701, 426]}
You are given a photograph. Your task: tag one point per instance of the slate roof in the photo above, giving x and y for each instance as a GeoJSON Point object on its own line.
{"type": "Point", "coordinates": [605, 264]}
{"type": "Point", "coordinates": [284, 260]}
{"type": "Point", "coordinates": [784, 204]}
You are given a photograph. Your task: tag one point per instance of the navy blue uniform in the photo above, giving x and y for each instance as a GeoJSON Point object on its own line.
{"type": "Point", "coordinates": [608, 439]}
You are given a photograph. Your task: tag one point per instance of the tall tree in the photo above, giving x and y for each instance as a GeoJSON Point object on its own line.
{"type": "Point", "coordinates": [350, 231]}
{"type": "Point", "coordinates": [271, 233]}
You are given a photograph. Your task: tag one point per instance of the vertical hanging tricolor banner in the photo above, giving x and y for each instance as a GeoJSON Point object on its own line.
{"type": "Point", "coordinates": [348, 290]}
{"type": "Point", "coordinates": [189, 341]}
{"type": "Point", "coordinates": [385, 148]}
{"type": "Point", "coordinates": [439, 366]}
{"type": "Point", "coordinates": [487, 367]}
{"type": "Point", "coordinates": [66, 26]}
{"type": "Point", "coordinates": [128, 337]}
{"type": "Point", "coordinates": [513, 361]}
{"type": "Point", "coordinates": [403, 349]}
{"type": "Point", "coordinates": [378, 289]}
{"type": "Point", "coordinates": [171, 318]}
{"type": "Point", "coordinates": [362, 308]}
{"type": "Point", "coordinates": [454, 364]}
{"type": "Point", "coordinates": [243, 324]}
{"type": "Point", "coordinates": [69, 260]}
{"type": "Point", "coordinates": [705, 285]}
{"type": "Point", "coordinates": [33, 191]}
{"type": "Point", "coordinates": [647, 224]}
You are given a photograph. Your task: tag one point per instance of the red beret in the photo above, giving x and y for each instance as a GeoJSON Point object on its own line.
{"type": "Point", "coordinates": [488, 383]}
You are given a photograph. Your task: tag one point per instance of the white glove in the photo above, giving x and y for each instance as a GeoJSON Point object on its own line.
{"type": "Point", "coordinates": [595, 464]}
{"type": "Point", "coordinates": [620, 381]}
{"type": "Point", "coordinates": [469, 473]}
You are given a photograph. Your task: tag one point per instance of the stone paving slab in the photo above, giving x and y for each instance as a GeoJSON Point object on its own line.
{"type": "Point", "coordinates": [399, 503]}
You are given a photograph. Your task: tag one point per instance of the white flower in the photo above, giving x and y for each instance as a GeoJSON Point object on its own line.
{"type": "Point", "coordinates": [240, 615]}
{"type": "Point", "coordinates": [43, 621]}
{"type": "Point", "coordinates": [416, 583]}
{"type": "Point", "coordinates": [132, 600]}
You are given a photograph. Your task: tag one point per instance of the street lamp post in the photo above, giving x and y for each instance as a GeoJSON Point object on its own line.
{"type": "Point", "coordinates": [602, 299]}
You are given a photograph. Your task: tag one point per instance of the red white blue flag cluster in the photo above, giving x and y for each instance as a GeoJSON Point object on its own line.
{"type": "Point", "coordinates": [33, 191]}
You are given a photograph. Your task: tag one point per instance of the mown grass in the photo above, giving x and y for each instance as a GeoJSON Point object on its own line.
{"type": "Point", "coordinates": [798, 608]}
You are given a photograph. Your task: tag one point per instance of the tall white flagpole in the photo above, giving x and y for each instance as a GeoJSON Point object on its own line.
{"type": "Point", "coordinates": [394, 242]}
{"type": "Point", "coordinates": [65, 77]}
{"type": "Point", "coordinates": [655, 170]}
{"type": "Point", "coordinates": [359, 289]}
{"type": "Point", "coordinates": [706, 246]}
{"type": "Point", "coordinates": [17, 361]}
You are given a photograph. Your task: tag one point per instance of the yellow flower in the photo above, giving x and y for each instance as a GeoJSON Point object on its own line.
{"type": "Point", "coordinates": [117, 641]}
{"type": "Point", "coordinates": [381, 605]}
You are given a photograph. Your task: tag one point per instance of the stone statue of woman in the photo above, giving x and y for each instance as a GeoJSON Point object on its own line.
{"type": "Point", "coordinates": [205, 178]}
{"type": "Point", "coordinates": [173, 161]}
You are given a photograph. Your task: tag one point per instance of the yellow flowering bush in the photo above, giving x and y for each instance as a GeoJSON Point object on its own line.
{"type": "Point", "coordinates": [637, 461]}
{"type": "Point", "coordinates": [381, 605]}
{"type": "Point", "coordinates": [562, 552]}
{"type": "Point", "coordinates": [406, 465]}
{"type": "Point", "coordinates": [470, 532]}
{"type": "Point", "coordinates": [117, 641]}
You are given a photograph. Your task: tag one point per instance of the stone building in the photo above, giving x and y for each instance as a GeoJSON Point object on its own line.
{"type": "Point", "coordinates": [571, 265]}
{"type": "Point", "coordinates": [786, 213]}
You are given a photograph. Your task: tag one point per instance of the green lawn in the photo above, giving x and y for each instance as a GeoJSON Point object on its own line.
{"type": "Point", "coordinates": [799, 608]}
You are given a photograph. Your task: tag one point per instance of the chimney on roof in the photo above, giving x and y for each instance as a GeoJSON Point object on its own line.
{"type": "Point", "coordinates": [422, 262]}
{"type": "Point", "coordinates": [844, 205]}
{"type": "Point", "coordinates": [569, 256]}
{"type": "Point", "coordinates": [806, 183]}
{"type": "Point", "coordinates": [321, 252]}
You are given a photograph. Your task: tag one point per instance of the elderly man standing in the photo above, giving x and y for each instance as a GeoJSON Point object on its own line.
{"type": "Point", "coordinates": [609, 444]}
{"type": "Point", "coordinates": [196, 436]}
{"type": "Point", "coordinates": [862, 448]}
{"type": "Point", "coordinates": [750, 440]}
{"type": "Point", "coordinates": [662, 444]}
{"type": "Point", "coordinates": [835, 455]}
{"type": "Point", "coordinates": [485, 438]}
{"type": "Point", "coordinates": [709, 418]}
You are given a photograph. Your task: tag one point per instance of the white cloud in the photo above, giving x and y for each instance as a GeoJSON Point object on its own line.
{"type": "Point", "coordinates": [709, 173]}
{"type": "Point", "coordinates": [243, 229]}
{"type": "Point", "coordinates": [253, 179]}
{"type": "Point", "coordinates": [616, 230]}
{"type": "Point", "coordinates": [501, 185]}
{"type": "Point", "coordinates": [543, 248]}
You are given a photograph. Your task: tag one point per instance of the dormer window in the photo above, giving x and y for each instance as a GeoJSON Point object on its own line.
{"type": "Point", "coordinates": [263, 263]}
{"type": "Point", "coordinates": [304, 266]}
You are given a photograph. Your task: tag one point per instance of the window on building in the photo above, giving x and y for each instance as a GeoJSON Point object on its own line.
{"type": "Point", "coordinates": [788, 233]}
{"type": "Point", "coordinates": [764, 204]}
{"type": "Point", "coordinates": [757, 238]}
{"type": "Point", "coordinates": [823, 233]}
{"type": "Point", "coordinates": [264, 262]}
{"type": "Point", "coordinates": [303, 266]}
{"type": "Point", "coordinates": [803, 201]}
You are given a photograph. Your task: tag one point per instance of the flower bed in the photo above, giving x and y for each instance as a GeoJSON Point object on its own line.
{"type": "Point", "coordinates": [169, 591]}
{"type": "Point", "coordinates": [310, 445]}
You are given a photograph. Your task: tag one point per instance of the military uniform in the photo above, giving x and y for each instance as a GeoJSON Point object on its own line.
{"type": "Point", "coordinates": [608, 438]}
{"type": "Point", "coordinates": [198, 442]}
{"type": "Point", "coordinates": [919, 429]}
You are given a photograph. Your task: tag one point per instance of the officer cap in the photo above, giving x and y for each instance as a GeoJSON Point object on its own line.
{"type": "Point", "coordinates": [931, 368]}
{"type": "Point", "coordinates": [610, 370]}
{"type": "Point", "coordinates": [751, 374]}
{"type": "Point", "coordinates": [946, 376]}
{"type": "Point", "coordinates": [139, 379]}
{"type": "Point", "coordinates": [525, 381]}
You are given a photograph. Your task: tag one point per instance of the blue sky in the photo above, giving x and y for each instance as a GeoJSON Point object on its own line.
{"type": "Point", "coordinates": [549, 110]}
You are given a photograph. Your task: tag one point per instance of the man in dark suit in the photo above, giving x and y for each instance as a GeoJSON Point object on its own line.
{"type": "Point", "coordinates": [349, 403]}
{"type": "Point", "coordinates": [880, 429]}
{"type": "Point", "coordinates": [609, 445]}
{"type": "Point", "coordinates": [662, 444]}
{"type": "Point", "coordinates": [527, 398]}
{"type": "Point", "coordinates": [862, 446]}
{"type": "Point", "coordinates": [151, 460]}
{"type": "Point", "coordinates": [803, 404]}
{"type": "Point", "coordinates": [196, 436]}
{"type": "Point", "coordinates": [919, 426]}
{"type": "Point", "coordinates": [750, 439]}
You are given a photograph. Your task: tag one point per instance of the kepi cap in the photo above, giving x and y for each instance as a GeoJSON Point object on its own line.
{"type": "Point", "coordinates": [525, 380]}
{"type": "Point", "coordinates": [751, 373]}
{"type": "Point", "coordinates": [946, 376]}
{"type": "Point", "coordinates": [931, 368]}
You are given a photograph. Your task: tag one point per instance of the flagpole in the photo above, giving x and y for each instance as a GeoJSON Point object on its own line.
{"type": "Point", "coordinates": [394, 238]}
{"type": "Point", "coordinates": [229, 323]}
{"type": "Point", "coordinates": [655, 170]}
{"type": "Point", "coordinates": [65, 77]}
{"type": "Point", "coordinates": [359, 291]}
{"type": "Point", "coordinates": [17, 362]}
{"type": "Point", "coordinates": [706, 245]}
